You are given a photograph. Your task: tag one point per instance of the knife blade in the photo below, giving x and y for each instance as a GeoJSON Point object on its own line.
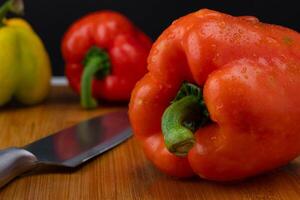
{"type": "Point", "coordinates": [70, 147]}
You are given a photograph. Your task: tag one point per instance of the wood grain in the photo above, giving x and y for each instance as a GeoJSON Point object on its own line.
{"type": "Point", "coordinates": [122, 173]}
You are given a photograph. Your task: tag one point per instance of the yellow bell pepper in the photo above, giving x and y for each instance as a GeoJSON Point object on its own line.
{"type": "Point", "coordinates": [25, 69]}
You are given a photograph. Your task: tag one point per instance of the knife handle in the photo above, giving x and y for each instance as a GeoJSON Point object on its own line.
{"type": "Point", "coordinates": [14, 162]}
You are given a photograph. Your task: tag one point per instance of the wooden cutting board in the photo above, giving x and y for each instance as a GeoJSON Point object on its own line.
{"type": "Point", "coordinates": [122, 173]}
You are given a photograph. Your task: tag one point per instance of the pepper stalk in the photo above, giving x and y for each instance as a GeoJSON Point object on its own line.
{"type": "Point", "coordinates": [96, 64]}
{"type": "Point", "coordinates": [185, 115]}
{"type": "Point", "coordinates": [14, 6]}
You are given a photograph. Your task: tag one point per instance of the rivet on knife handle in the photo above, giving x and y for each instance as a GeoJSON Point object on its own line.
{"type": "Point", "coordinates": [15, 162]}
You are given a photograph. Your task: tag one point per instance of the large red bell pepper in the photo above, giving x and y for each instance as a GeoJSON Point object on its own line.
{"type": "Point", "coordinates": [237, 108]}
{"type": "Point", "coordinates": [105, 55]}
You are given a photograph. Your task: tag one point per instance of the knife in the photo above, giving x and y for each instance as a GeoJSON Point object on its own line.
{"type": "Point", "coordinates": [67, 148]}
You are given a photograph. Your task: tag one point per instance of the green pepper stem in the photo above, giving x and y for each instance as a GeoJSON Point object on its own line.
{"type": "Point", "coordinates": [186, 114]}
{"type": "Point", "coordinates": [87, 101]}
{"type": "Point", "coordinates": [178, 138]}
{"type": "Point", "coordinates": [14, 6]}
{"type": "Point", "coordinates": [96, 64]}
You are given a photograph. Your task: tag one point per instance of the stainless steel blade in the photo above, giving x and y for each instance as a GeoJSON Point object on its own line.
{"type": "Point", "coordinates": [75, 145]}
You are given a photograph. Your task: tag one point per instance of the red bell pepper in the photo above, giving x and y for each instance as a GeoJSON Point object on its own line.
{"type": "Point", "coordinates": [221, 99]}
{"type": "Point", "coordinates": [105, 55]}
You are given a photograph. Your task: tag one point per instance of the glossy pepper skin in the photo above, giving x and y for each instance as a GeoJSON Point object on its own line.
{"type": "Point", "coordinates": [250, 75]}
{"type": "Point", "coordinates": [126, 47]}
{"type": "Point", "coordinates": [25, 69]}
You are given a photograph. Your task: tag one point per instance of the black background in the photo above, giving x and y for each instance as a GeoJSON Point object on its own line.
{"type": "Point", "coordinates": [50, 18]}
